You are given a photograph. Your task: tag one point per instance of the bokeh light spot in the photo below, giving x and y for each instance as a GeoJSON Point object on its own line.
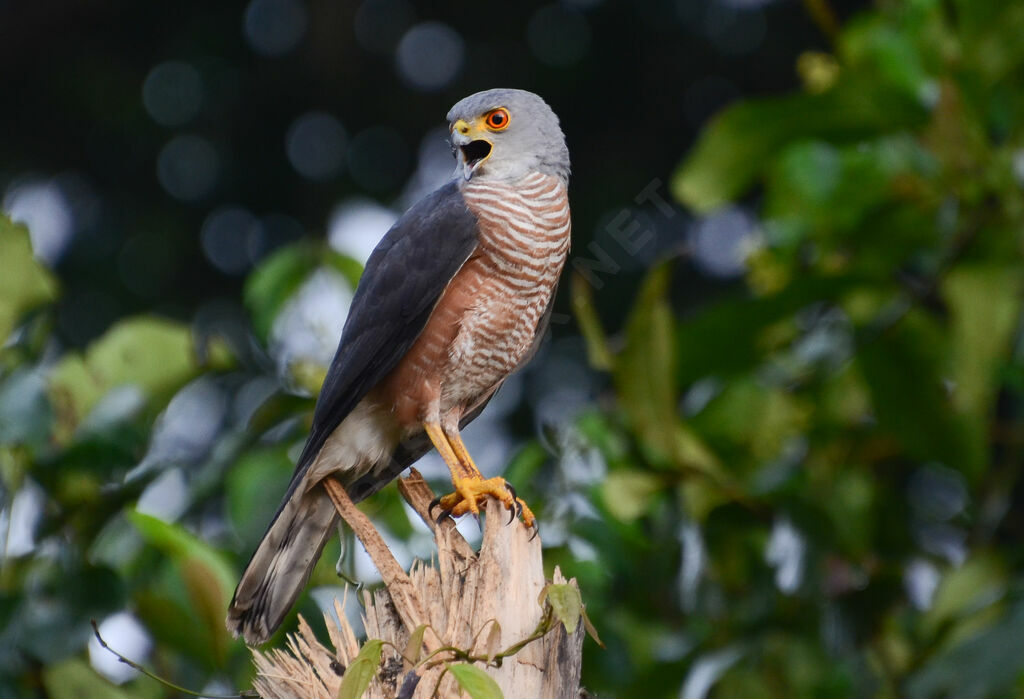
{"type": "Point", "coordinates": [275, 27]}
{"type": "Point", "coordinates": [430, 56]}
{"type": "Point", "coordinates": [315, 144]}
{"type": "Point", "coordinates": [19, 521]}
{"type": "Point", "coordinates": [435, 165]}
{"type": "Point", "coordinates": [42, 206]}
{"type": "Point", "coordinates": [356, 227]}
{"type": "Point", "coordinates": [722, 241]}
{"type": "Point", "coordinates": [124, 632]}
{"type": "Point", "coordinates": [227, 237]}
{"type": "Point", "coordinates": [172, 93]}
{"type": "Point", "coordinates": [166, 498]}
{"type": "Point", "coordinates": [188, 167]}
{"type": "Point", "coordinates": [308, 327]}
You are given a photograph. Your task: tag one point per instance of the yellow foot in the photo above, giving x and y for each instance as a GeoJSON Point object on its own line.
{"type": "Point", "coordinates": [470, 494]}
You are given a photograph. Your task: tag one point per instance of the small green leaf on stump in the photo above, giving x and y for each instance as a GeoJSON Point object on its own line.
{"type": "Point", "coordinates": [361, 672]}
{"type": "Point", "coordinates": [591, 631]}
{"type": "Point", "coordinates": [475, 682]}
{"type": "Point", "coordinates": [414, 646]}
{"type": "Point", "coordinates": [565, 602]}
{"type": "Point", "coordinates": [493, 644]}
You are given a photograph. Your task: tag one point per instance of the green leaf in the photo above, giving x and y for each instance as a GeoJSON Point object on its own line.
{"type": "Point", "coordinates": [254, 487]}
{"type": "Point", "coordinates": [475, 682]}
{"type": "Point", "coordinates": [74, 678]}
{"type": "Point", "coordinates": [751, 420]}
{"type": "Point", "coordinates": [415, 646]}
{"type": "Point", "coordinates": [643, 376]}
{"type": "Point", "coordinates": [727, 339]}
{"type": "Point", "coordinates": [155, 354]}
{"type": "Point", "coordinates": [816, 190]}
{"type": "Point", "coordinates": [964, 592]}
{"type": "Point", "coordinates": [591, 631]}
{"type": "Point", "coordinates": [565, 602]}
{"type": "Point", "coordinates": [874, 45]}
{"type": "Point", "coordinates": [627, 494]}
{"type": "Point", "coordinates": [984, 304]}
{"type": "Point", "coordinates": [24, 283]}
{"type": "Point", "coordinates": [349, 268]}
{"type": "Point", "coordinates": [903, 370]}
{"type": "Point", "coordinates": [598, 352]}
{"type": "Point", "coordinates": [361, 672]}
{"type": "Point", "coordinates": [733, 151]}
{"type": "Point", "coordinates": [205, 574]}
{"type": "Point", "coordinates": [987, 664]}
{"type": "Point", "coordinates": [644, 368]}
{"type": "Point", "coordinates": [492, 646]}
{"type": "Point", "coordinates": [25, 414]}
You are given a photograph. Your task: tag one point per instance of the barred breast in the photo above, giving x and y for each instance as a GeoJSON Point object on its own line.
{"type": "Point", "coordinates": [485, 322]}
{"type": "Point", "coordinates": [524, 241]}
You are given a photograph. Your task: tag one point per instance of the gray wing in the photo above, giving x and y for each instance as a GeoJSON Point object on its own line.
{"type": "Point", "coordinates": [403, 280]}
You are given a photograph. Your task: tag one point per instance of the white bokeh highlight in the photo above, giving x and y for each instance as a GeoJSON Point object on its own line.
{"type": "Point", "coordinates": [308, 327]}
{"type": "Point", "coordinates": [124, 632]}
{"type": "Point", "coordinates": [356, 226]}
{"type": "Point", "coordinates": [42, 206]}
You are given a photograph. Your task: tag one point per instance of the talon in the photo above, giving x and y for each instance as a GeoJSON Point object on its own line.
{"type": "Point", "coordinates": [434, 503]}
{"type": "Point", "coordinates": [536, 531]}
{"type": "Point", "coordinates": [471, 493]}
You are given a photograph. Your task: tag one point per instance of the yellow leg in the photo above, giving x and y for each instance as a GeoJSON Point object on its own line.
{"type": "Point", "coordinates": [470, 486]}
{"type": "Point", "coordinates": [451, 460]}
{"type": "Point", "coordinates": [463, 454]}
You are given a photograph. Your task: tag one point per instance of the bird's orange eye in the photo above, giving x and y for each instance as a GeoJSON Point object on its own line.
{"type": "Point", "coordinates": [497, 120]}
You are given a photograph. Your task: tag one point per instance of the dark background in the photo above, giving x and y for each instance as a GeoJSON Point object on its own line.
{"type": "Point", "coordinates": [632, 95]}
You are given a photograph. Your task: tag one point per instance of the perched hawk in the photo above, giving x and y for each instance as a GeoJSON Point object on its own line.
{"type": "Point", "coordinates": [453, 300]}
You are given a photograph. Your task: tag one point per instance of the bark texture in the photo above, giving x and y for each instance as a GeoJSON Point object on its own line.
{"type": "Point", "coordinates": [482, 603]}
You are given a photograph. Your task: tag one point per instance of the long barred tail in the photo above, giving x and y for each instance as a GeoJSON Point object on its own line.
{"type": "Point", "coordinates": [281, 565]}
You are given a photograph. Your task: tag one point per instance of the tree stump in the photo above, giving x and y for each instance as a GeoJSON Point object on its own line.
{"type": "Point", "coordinates": [469, 607]}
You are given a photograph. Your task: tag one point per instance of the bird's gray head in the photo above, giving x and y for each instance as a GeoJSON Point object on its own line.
{"type": "Point", "coordinates": [505, 134]}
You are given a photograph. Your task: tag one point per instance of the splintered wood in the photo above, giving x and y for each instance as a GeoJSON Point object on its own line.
{"type": "Point", "coordinates": [481, 603]}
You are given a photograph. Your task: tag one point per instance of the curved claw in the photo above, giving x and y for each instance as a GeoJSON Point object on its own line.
{"type": "Point", "coordinates": [536, 530]}
{"type": "Point", "coordinates": [468, 498]}
{"type": "Point", "coordinates": [430, 510]}
{"type": "Point", "coordinates": [516, 509]}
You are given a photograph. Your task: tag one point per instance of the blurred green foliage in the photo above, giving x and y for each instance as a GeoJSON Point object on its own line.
{"type": "Point", "coordinates": [813, 484]}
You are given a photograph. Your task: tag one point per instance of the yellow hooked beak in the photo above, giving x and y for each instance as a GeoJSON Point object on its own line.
{"type": "Point", "coordinates": [473, 149]}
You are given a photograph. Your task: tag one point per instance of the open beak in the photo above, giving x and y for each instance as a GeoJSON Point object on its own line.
{"type": "Point", "coordinates": [471, 148]}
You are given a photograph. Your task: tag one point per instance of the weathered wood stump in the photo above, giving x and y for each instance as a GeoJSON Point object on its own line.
{"type": "Point", "coordinates": [474, 606]}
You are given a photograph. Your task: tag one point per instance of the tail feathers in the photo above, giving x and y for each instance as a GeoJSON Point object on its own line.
{"type": "Point", "coordinates": [281, 565]}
